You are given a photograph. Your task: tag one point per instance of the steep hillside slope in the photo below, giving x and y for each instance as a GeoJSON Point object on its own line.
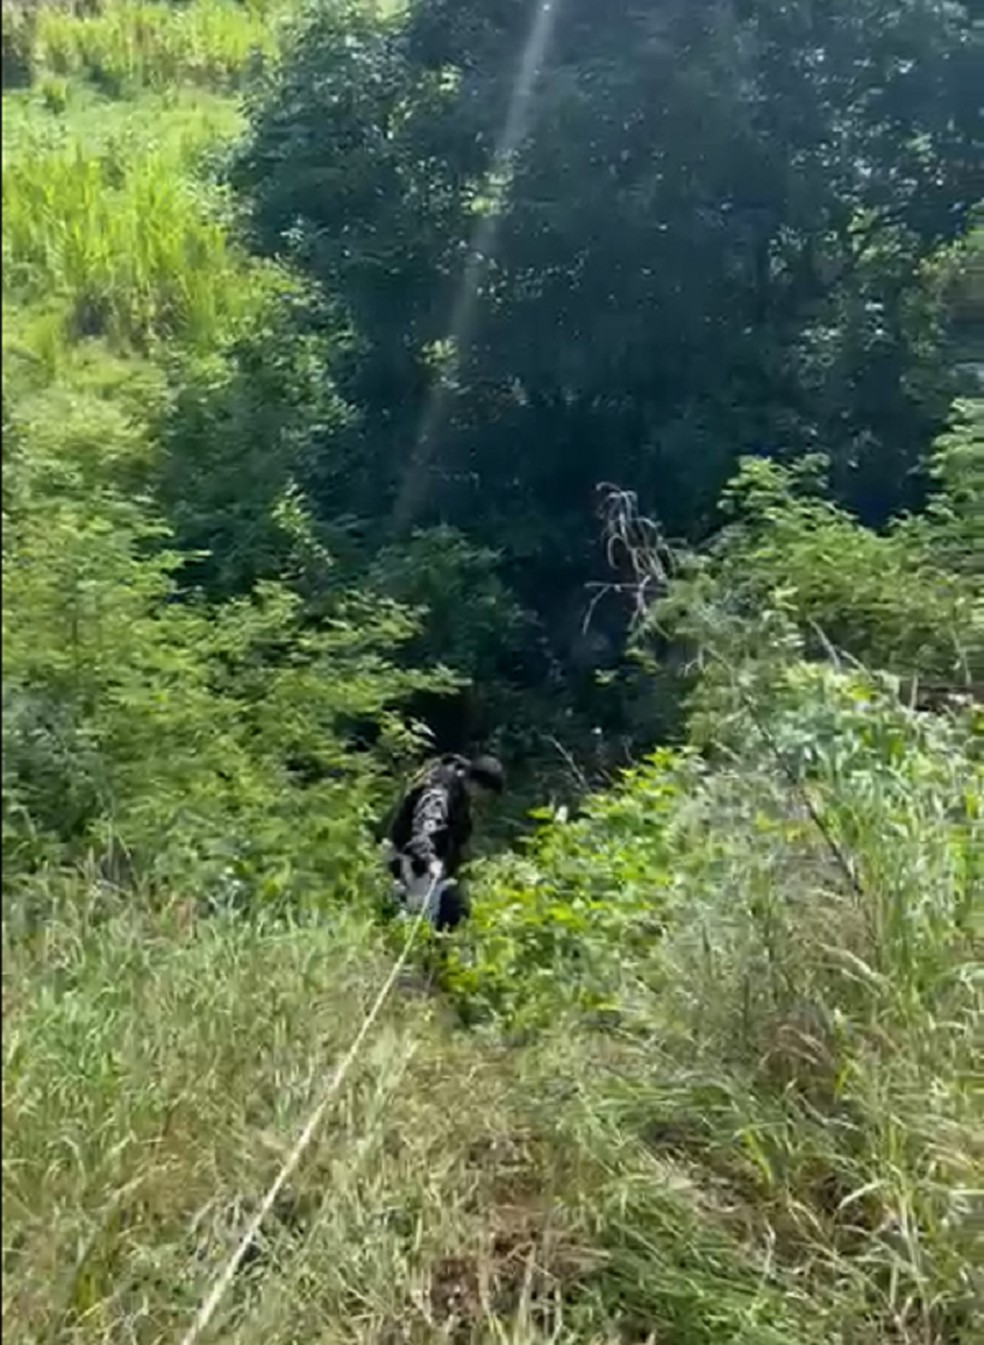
{"type": "Point", "coordinates": [704, 1067]}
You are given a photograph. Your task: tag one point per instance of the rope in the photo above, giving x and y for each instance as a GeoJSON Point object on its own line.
{"type": "Point", "coordinates": [228, 1273]}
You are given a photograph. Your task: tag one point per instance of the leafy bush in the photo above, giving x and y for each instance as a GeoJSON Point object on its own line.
{"type": "Point", "coordinates": [906, 600]}
{"type": "Point", "coordinates": [161, 729]}
{"type": "Point", "coordinates": [721, 1086]}
{"type": "Point", "coordinates": [175, 725]}
{"type": "Point", "coordinates": [551, 924]}
{"type": "Point", "coordinates": [775, 941]}
{"type": "Point", "coordinates": [952, 531]}
{"type": "Point", "coordinates": [471, 617]}
{"type": "Point", "coordinates": [235, 437]}
{"type": "Point", "coordinates": [782, 950]}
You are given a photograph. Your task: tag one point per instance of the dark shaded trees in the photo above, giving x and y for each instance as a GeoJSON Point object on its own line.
{"type": "Point", "coordinates": [712, 240]}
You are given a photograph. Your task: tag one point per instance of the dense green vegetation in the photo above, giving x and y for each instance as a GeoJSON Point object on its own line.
{"type": "Point", "coordinates": [370, 387]}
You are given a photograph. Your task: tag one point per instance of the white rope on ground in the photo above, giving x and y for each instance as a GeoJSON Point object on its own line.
{"type": "Point", "coordinates": [228, 1273]}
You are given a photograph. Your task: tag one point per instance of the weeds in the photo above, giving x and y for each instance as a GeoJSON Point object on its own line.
{"type": "Point", "coordinates": [129, 246]}
{"type": "Point", "coordinates": [720, 1087]}
{"type": "Point", "coordinates": [125, 45]}
{"type": "Point", "coordinates": [803, 1046]}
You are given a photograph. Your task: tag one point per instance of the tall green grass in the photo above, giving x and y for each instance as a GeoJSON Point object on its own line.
{"type": "Point", "coordinates": [771, 1132]}
{"type": "Point", "coordinates": [790, 1000]}
{"type": "Point", "coordinates": [128, 44]}
{"type": "Point", "coordinates": [725, 1095]}
{"type": "Point", "coordinates": [106, 209]}
{"type": "Point", "coordinates": [156, 1070]}
{"type": "Point", "coordinates": [185, 121]}
{"type": "Point", "coordinates": [131, 246]}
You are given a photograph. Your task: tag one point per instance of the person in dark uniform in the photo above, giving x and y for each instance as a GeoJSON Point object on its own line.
{"type": "Point", "coordinates": [430, 831]}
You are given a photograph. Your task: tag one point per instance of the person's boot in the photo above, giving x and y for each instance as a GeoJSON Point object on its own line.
{"type": "Point", "coordinates": [452, 907]}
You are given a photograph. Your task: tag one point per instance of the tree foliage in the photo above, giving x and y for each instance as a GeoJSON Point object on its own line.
{"type": "Point", "coordinates": [708, 242]}
{"type": "Point", "coordinates": [907, 600]}
{"type": "Point", "coordinates": [352, 462]}
{"type": "Point", "coordinates": [175, 740]}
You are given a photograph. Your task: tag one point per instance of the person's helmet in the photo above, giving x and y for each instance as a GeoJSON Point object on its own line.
{"type": "Point", "coordinates": [487, 773]}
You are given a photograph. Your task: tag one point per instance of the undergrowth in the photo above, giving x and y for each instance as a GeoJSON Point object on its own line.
{"type": "Point", "coordinates": [781, 952]}
{"type": "Point", "coordinates": [128, 248]}
{"type": "Point", "coordinates": [704, 1068]}
{"type": "Point", "coordinates": [119, 46]}
{"type": "Point", "coordinates": [726, 1094]}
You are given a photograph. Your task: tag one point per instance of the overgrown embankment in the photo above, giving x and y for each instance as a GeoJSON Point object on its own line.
{"type": "Point", "coordinates": [703, 1067]}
